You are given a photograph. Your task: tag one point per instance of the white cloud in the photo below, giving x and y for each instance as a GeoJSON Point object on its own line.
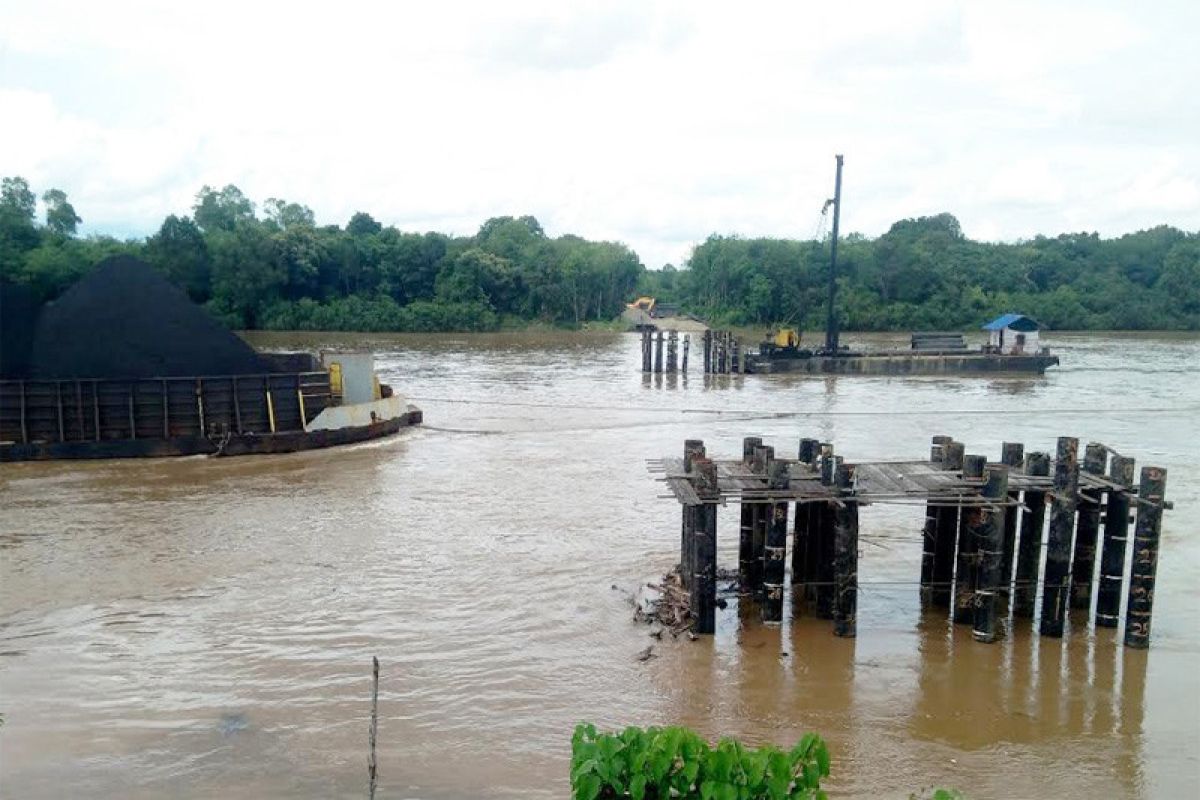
{"type": "Point", "coordinates": [655, 123]}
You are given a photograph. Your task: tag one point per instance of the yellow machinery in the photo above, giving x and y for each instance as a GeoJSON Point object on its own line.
{"type": "Point", "coordinates": [784, 337]}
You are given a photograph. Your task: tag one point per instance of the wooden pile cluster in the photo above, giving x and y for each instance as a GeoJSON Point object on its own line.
{"type": "Point", "coordinates": [986, 527]}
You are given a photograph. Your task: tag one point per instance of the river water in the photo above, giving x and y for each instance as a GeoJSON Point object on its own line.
{"type": "Point", "coordinates": [204, 627]}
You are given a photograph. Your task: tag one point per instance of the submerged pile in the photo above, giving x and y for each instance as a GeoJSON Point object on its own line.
{"type": "Point", "coordinates": [125, 320]}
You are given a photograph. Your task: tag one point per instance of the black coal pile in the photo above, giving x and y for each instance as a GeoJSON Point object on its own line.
{"type": "Point", "coordinates": [124, 320]}
{"type": "Point", "coordinates": [19, 309]}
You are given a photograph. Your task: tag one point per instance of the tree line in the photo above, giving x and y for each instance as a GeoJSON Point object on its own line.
{"type": "Point", "coordinates": [273, 267]}
{"type": "Point", "coordinates": [923, 274]}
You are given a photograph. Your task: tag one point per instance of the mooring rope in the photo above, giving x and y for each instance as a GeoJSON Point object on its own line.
{"type": "Point", "coordinates": [760, 414]}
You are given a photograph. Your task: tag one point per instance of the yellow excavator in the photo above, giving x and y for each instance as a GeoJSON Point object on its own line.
{"type": "Point", "coordinates": [783, 342]}
{"type": "Point", "coordinates": [784, 337]}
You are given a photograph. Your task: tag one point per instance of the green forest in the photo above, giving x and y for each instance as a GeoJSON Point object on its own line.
{"type": "Point", "coordinates": [273, 267]}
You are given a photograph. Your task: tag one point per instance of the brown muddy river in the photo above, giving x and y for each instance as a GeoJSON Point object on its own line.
{"type": "Point", "coordinates": [204, 627]}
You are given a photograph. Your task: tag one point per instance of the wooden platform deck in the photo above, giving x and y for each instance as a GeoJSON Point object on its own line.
{"type": "Point", "coordinates": [897, 482]}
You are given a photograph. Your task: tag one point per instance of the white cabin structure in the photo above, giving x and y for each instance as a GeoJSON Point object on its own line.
{"type": "Point", "coordinates": [1013, 334]}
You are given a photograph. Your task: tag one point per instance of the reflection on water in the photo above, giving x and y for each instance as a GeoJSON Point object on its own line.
{"type": "Point", "coordinates": [201, 627]}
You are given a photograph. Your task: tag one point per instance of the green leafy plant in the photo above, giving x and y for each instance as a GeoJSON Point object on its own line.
{"type": "Point", "coordinates": [657, 763]}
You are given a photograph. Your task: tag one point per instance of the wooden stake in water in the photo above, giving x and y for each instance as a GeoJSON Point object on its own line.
{"type": "Point", "coordinates": [371, 770]}
{"type": "Point", "coordinates": [1029, 551]}
{"type": "Point", "coordinates": [749, 513]}
{"type": "Point", "coordinates": [1116, 534]}
{"type": "Point", "coordinates": [1057, 584]}
{"type": "Point", "coordinates": [803, 561]}
{"type": "Point", "coordinates": [1145, 557]}
{"type": "Point", "coordinates": [845, 555]}
{"type": "Point", "coordinates": [704, 576]}
{"type": "Point", "coordinates": [947, 528]}
{"type": "Point", "coordinates": [937, 455]}
{"type": "Point", "coordinates": [775, 545]}
{"type": "Point", "coordinates": [966, 575]}
{"type": "Point", "coordinates": [989, 535]}
{"type": "Point", "coordinates": [1083, 565]}
{"type": "Point", "coordinates": [826, 520]}
{"type": "Point", "coordinates": [1012, 455]}
{"type": "Point", "coordinates": [760, 463]}
{"type": "Point", "coordinates": [692, 448]}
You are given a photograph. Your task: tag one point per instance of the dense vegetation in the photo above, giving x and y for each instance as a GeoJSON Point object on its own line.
{"type": "Point", "coordinates": [924, 274]}
{"type": "Point", "coordinates": [274, 267]}
{"type": "Point", "coordinates": [676, 762]}
{"type": "Point", "coordinates": [283, 271]}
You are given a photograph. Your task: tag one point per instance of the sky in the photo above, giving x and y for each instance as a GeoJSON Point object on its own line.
{"type": "Point", "coordinates": [651, 123]}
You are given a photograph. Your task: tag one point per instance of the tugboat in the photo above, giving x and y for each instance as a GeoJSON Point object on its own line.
{"type": "Point", "coordinates": [1012, 345]}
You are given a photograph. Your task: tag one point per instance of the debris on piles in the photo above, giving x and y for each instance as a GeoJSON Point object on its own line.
{"type": "Point", "coordinates": [666, 603]}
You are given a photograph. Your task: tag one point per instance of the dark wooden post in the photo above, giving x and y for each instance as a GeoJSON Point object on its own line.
{"type": "Point", "coordinates": [1029, 552]}
{"type": "Point", "coordinates": [845, 555]}
{"type": "Point", "coordinates": [937, 454]}
{"type": "Point", "coordinates": [802, 562]}
{"type": "Point", "coordinates": [647, 359]}
{"type": "Point", "coordinates": [775, 547]}
{"type": "Point", "coordinates": [1056, 586]}
{"type": "Point", "coordinates": [749, 512]}
{"type": "Point", "coordinates": [687, 344]}
{"type": "Point", "coordinates": [707, 344]}
{"type": "Point", "coordinates": [760, 464]}
{"type": "Point", "coordinates": [24, 416]}
{"type": "Point", "coordinates": [989, 533]}
{"type": "Point", "coordinates": [1116, 534]}
{"type": "Point", "coordinates": [1012, 454]}
{"type": "Point", "coordinates": [658, 351]}
{"type": "Point", "coordinates": [166, 409]}
{"type": "Point", "coordinates": [62, 429]}
{"type": "Point", "coordinates": [132, 413]}
{"type": "Point", "coordinates": [692, 449]}
{"type": "Point", "coordinates": [966, 575]}
{"type": "Point", "coordinates": [672, 351]}
{"type": "Point", "coordinates": [79, 409]}
{"type": "Point", "coordinates": [947, 532]}
{"type": "Point", "coordinates": [734, 354]}
{"type": "Point", "coordinates": [704, 578]}
{"type": "Point", "coordinates": [96, 408]}
{"type": "Point", "coordinates": [825, 577]}
{"type": "Point", "coordinates": [1145, 557]}
{"type": "Point", "coordinates": [1083, 565]}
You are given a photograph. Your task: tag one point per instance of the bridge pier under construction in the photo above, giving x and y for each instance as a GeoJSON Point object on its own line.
{"type": "Point", "coordinates": [994, 532]}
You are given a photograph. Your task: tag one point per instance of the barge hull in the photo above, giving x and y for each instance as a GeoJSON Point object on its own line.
{"type": "Point", "coordinates": [235, 445]}
{"type": "Point", "coordinates": [904, 364]}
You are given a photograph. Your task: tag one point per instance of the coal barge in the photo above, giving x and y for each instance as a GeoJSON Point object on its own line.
{"type": "Point", "coordinates": [124, 365]}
